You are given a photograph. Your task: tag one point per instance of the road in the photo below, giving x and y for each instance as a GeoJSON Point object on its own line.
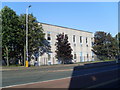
{"type": "Point", "coordinates": [108, 74]}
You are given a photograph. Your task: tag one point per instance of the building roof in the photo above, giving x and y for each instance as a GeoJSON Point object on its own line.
{"type": "Point", "coordinates": [65, 27]}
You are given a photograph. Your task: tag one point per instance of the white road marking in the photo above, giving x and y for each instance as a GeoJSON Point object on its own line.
{"type": "Point", "coordinates": [58, 79]}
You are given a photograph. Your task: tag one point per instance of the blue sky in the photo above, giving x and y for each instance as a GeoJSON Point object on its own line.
{"type": "Point", "coordinates": [88, 16]}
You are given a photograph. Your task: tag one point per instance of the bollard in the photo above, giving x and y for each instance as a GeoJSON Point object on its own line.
{"type": "Point", "coordinates": [26, 63]}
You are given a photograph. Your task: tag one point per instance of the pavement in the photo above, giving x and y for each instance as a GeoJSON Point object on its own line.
{"type": "Point", "coordinates": [58, 76]}
{"type": "Point", "coordinates": [4, 68]}
{"type": "Point", "coordinates": [83, 66]}
{"type": "Point", "coordinates": [91, 80]}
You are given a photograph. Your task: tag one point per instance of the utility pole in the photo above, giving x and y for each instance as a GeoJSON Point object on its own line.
{"type": "Point", "coordinates": [27, 35]}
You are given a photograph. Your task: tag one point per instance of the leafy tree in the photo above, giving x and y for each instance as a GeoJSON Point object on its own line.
{"type": "Point", "coordinates": [111, 47]}
{"type": "Point", "coordinates": [104, 45]}
{"type": "Point", "coordinates": [13, 35]}
{"type": "Point", "coordinates": [45, 48]}
{"type": "Point", "coordinates": [10, 33]}
{"type": "Point", "coordinates": [35, 34]}
{"type": "Point", "coordinates": [64, 50]}
{"type": "Point", "coordinates": [99, 42]}
{"type": "Point", "coordinates": [117, 45]}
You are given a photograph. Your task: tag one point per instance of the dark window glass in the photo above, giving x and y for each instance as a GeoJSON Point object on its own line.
{"type": "Point", "coordinates": [48, 37]}
{"type": "Point", "coordinates": [80, 39]}
{"type": "Point", "coordinates": [73, 38]}
{"type": "Point", "coordinates": [86, 40]}
{"type": "Point", "coordinates": [74, 56]}
{"type": "Point", "coordinates": [87, 56]}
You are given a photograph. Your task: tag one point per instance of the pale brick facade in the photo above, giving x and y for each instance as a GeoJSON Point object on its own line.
{"type": "Point", "coordinates": [81, 45]}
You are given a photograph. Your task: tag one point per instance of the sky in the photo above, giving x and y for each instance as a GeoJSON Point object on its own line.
{"type": "Point", "coordinates": [87, 16]}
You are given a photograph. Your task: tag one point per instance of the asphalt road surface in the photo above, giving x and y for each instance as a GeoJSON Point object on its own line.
{"type": "Point", "coordinates": [99, 77]}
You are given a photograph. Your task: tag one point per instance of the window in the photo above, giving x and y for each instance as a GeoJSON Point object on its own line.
{"type": "Point", "coordinates": [86, 40]}
{"type": "Point", "coordinates": [81, 59]}
{"type": "Point", "coordinates": [48, 36]}
{"type": "Point", "coordinates": [87, 55]}
{"type": "Point", "coordinates": [49, 43]}
{"type": "Point", "coordinates": [74, 56]}
{"type": "Point", "coordinates": [74, 44]}
{"type": "Point", "coordinates": [92, 54]}
{"type": "Point", "coordinates": [80, 39]}
{"type": "Point", "coordinates": [92, 43]}
{"type": "Point", "coordinates": [49, 57]}
{"type": "Point", "coordinates": [73, 38]}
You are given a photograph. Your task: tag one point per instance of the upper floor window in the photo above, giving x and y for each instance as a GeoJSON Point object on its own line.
{"type": "Point", "coordinates": [73, 38]}
{"type": "Point", "coordinates": [80, 39]}
{"type": "Point", "coordinates": [86, 40]}
{"type": "Point", "coordinates": [48, 36]}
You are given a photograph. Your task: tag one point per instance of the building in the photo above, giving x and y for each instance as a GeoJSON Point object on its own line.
{"type": "Point", "coordinates": [81, 43]}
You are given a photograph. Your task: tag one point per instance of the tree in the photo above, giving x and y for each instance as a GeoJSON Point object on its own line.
{"type": "Point", "coordinates": [35, 34]}
{"type": "Point", "coordinates": [117, 45]}
{"type": "Point", "coordinates": [10, 32]}
{"type": "Point", "coordinates": [63, 49]}
{"type": "Point", "coordinates": [99, 42]}
{"type": "Point", "coordinates": [104, 45]}
{"type": "Point", "coordinates": [111, 46]}
{"type": "Point", "coordinates": [13, 35]}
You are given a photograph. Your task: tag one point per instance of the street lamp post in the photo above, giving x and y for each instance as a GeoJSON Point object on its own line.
{"type": "Point", "coordinates": [27, 35]}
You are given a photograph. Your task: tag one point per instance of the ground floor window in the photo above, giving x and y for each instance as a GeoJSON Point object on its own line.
{"type": "Point", "coordinates": [75, 56]}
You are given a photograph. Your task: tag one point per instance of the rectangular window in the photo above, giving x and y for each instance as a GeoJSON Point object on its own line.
{"type": "Point", "coordinates": [74, 44]}
{"type": "Point", "coordinates": [73, 38]}
{"type": "Point", "coordinates": [92, 54]}
{"type": "Point", "coordinates": [86, 40]}
{"type": "Point", "coordinates": [49, 57]}
{"type": "Point", "coordinates": [92, 43]}
{"type": "Point", "coordinates": [81, 59]}
{"type": "Point", "coordinates": [74, 56]}
{"type": "Point", "coordinates": [80, 39]}
{"type": "Point", "coordinates": [87, 55]}
{"type": "Point", "coordinates": [48, 36]}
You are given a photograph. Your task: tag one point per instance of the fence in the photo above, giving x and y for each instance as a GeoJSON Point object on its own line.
{"type": "Point", "coordinates": [53, 60]}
